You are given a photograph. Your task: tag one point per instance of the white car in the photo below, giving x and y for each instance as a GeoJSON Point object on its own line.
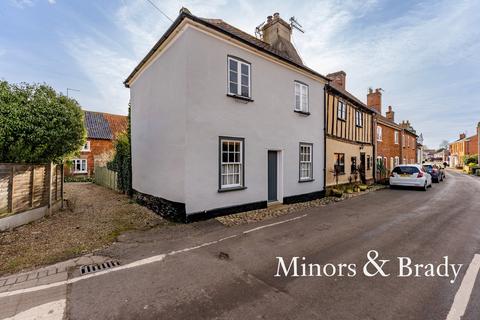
{"type": "Point", "coordinates": [410, 175]}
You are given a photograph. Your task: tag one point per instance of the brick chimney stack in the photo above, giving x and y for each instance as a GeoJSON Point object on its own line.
{"type": "Point", "coordinates": [390, 114]}
{"type": "Point", "coordinates": [374, 99]}
{"type": "Point", "coordinates": [463, 135]}
{"type": "Point", "coordinates": [339, 78]}
{"type": "Point", "coordinates": [278, 34]}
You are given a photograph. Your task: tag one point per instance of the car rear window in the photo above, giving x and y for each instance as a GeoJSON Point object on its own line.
{"type": "Point", "coordinates": [405, 170]}
{"type": "Point", "coordinates": [428, 168]}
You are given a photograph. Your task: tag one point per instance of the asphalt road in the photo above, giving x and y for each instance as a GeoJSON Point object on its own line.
{"type": "Point", "coordinates": [228, 273]}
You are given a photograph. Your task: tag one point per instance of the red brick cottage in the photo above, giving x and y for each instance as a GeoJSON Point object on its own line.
{"type": "Point", "coordinates": [102, 130]}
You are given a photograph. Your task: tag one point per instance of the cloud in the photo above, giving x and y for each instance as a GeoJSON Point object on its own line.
{"type": "Point", "coordinates": [52, 1]}
{"type": "Point", "coordinates": [21, 4]}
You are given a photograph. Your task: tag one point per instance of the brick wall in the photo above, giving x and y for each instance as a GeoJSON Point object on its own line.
{"type": "Point", "coordinates": [409, 150]}
{"type": "Point", "coordinates": [100, 150]}
{"type": "Point", "coordinates": [387, 147]}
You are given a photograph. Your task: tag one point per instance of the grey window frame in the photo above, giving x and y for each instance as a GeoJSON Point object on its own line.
{"type": "Point", "coordinates": [242, 174]}
{"type": "Point", "coordinates": [300, 145]}
{"type": "Point", "coordinates": [343, 115]}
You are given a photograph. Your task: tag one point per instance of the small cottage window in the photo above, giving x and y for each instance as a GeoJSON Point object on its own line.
{"type": "Point", "coordinates": [353, 167]}
{"type": "Point", "coordinates": [86, 147]}
{"type": "Point", "coordinates": [396, 137]}
{"type": "Point", "coordinates": [79, 165]}
{"type": "Point", "coordinates": [301, 97]}
{"type": "Point", "coordinates": [342, 110]}
{"type": "Point", "coordinates": [231, 163]}
{"type": "Point", "coordinates": [239, 77]}
{"type": "Point", "coordinates": [306, 162]}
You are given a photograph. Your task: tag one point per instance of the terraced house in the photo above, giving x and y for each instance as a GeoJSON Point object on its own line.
{"type": "Point", "coordinates": [349, 144]}
{"type": "Point", "coordinates": [223, 121]}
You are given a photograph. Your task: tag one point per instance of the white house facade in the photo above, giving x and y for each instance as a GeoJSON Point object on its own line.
{"type": "Point", "coordinates": [222, 122]}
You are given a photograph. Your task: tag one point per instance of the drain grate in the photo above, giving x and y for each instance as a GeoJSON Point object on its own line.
{"type": "Point", "coordinates": [98, 267]}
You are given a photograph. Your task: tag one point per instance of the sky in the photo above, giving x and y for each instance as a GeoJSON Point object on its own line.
{"type": "Point", "coordinates": [425, 55]}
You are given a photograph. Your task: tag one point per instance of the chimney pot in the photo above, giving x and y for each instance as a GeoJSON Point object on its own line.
{"type": "Point", "coordinates": [374, 99]}
{"type": "Point", "coordinates": [276, 15]}
{"type": "Point", "coordinates": [269, 19]}
{"type": "Point", "coordinates": [390, 114]}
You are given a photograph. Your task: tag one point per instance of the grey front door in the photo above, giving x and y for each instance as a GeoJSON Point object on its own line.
{"type": "Point", "coordinates": [272, 176]}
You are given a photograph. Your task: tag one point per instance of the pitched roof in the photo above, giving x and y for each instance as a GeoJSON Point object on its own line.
{"type": "Point", "coordinates": [225, 28]}
{"type": "Point", "coordinates": [349, 96]}
{"type": "Point", "coordinates": [105, 126]}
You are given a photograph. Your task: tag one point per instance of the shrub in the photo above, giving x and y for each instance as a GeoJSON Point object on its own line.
{"type": "Point", "coordinates": [37, 124]}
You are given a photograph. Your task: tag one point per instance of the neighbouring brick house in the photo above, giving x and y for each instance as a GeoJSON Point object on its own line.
{"type": "Point", "coordinates": [464, 146]}
{"type": "Point", "coordinates": [102, 130]}
{"type": "Point", "coordinates": [395, 143]}
{"type": "Point", "coordinates": [409, 143]}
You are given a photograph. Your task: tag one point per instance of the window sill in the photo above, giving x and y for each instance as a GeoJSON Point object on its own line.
{"type": "Point", "coordinates": [306, 113]}
{"type": "Point", "coordinates": [340, 119]}
{"type": "Point", "coordinates": [239, 97]}
{"type": "Point", "coordinates": [232, 189]}
{"type": "Point", "coordinates": [306, 180]}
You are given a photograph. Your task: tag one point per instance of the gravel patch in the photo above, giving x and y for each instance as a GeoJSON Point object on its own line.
{"type": "Point", "coordinates": [281, 210]}
{"type": "Point", "coordinates": [94, 217]}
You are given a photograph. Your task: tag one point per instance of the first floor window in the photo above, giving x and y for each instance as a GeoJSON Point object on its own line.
{"type": "Point", "coordinates": [238, 77]}
{"type": "Point", "coordinates": [86, 147]}
{"type": "Point", "coordinates": [306, 161]}
{"type": "Point", "coordinates": [358, 118]}
{"type": "Point", "coordinates": [79, 165]}
{"type": "Point", "coordinates": [342, 110]}
{"type": "Point", "coordinates": [301, 97]}
{"type": "Point", "coordinates": [231, 162]}
{"type": "Point", "coordinates": [379, 133]}
{"type": "Point", "coordinates": [396, 137]}
{"type": "Point", "coordinates": [339, 163]}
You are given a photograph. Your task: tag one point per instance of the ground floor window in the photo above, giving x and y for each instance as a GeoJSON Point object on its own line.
{"type": "Point", "coordinates": [79, 165]}
{"type": "Point", "coordinates": [397, 161]}
{"type": "Point", "coordinates": [231, 171]}
{"type": "Point", "coordinates": [306, 161]}
{"type": "Point", "coordinates": [353, 167]}
{"type": "Point", "coordinates": [369, 162]}
{"type": "Point", "coordinates": [339, 163]}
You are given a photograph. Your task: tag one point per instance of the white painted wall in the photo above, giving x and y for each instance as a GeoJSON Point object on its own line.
{"type": "Point", "coordinates": [180, 109]}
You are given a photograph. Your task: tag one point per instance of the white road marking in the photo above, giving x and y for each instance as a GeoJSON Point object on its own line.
{"type": "Point", "coordinates": [49, 311]}
{"type": "Point", "coordinates": [274, 224]}
{"type": "Point", "coordinates": [463, 294]}
{"type": "Point", "coordinates": [138, 263]}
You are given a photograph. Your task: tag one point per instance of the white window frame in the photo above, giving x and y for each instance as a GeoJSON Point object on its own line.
{"type": "Point", "coordinates": [86, 147]}
{"type": "Point", "coordinates": [397, 161]}
{"type": "Point", "coordinates": [305, 169]}
{"type": "Point", "coordinates": [82, 170]}
{"type": "Point", "coordinates": [396, 137]}
{"type": "Point", "coordinates": [239, 75]}
{"type": "Point", "coordinates": [358, 118]}
{"type": "Point", "coordinates": [228, 168]}
{"type": "Point", "coordinates": [379, 133]}
{"type": "Point", "coordinates": [301, 91]}
{"type": "Point", "coordinates": [342, 110]}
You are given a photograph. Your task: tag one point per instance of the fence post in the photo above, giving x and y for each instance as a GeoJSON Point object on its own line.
{"type": "Point", "coordinates": [32, 188]}
{"type": "Point", "coordinates": [10, 190]}
{"type": "Point", "coordinates": [49, 187]}
{"type": "Point", "coordinates": [62, 180]}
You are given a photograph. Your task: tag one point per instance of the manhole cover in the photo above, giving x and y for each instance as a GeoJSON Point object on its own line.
{"type": "Point", "coordinates": [98, 267]}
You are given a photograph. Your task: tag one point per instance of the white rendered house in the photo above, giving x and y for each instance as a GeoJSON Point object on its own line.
{"type": "Point", "coordinates": [224, 122]}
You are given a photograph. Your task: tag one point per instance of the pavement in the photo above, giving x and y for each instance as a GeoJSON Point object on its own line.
{"type": "Point", "coordinates": [208, 271]}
